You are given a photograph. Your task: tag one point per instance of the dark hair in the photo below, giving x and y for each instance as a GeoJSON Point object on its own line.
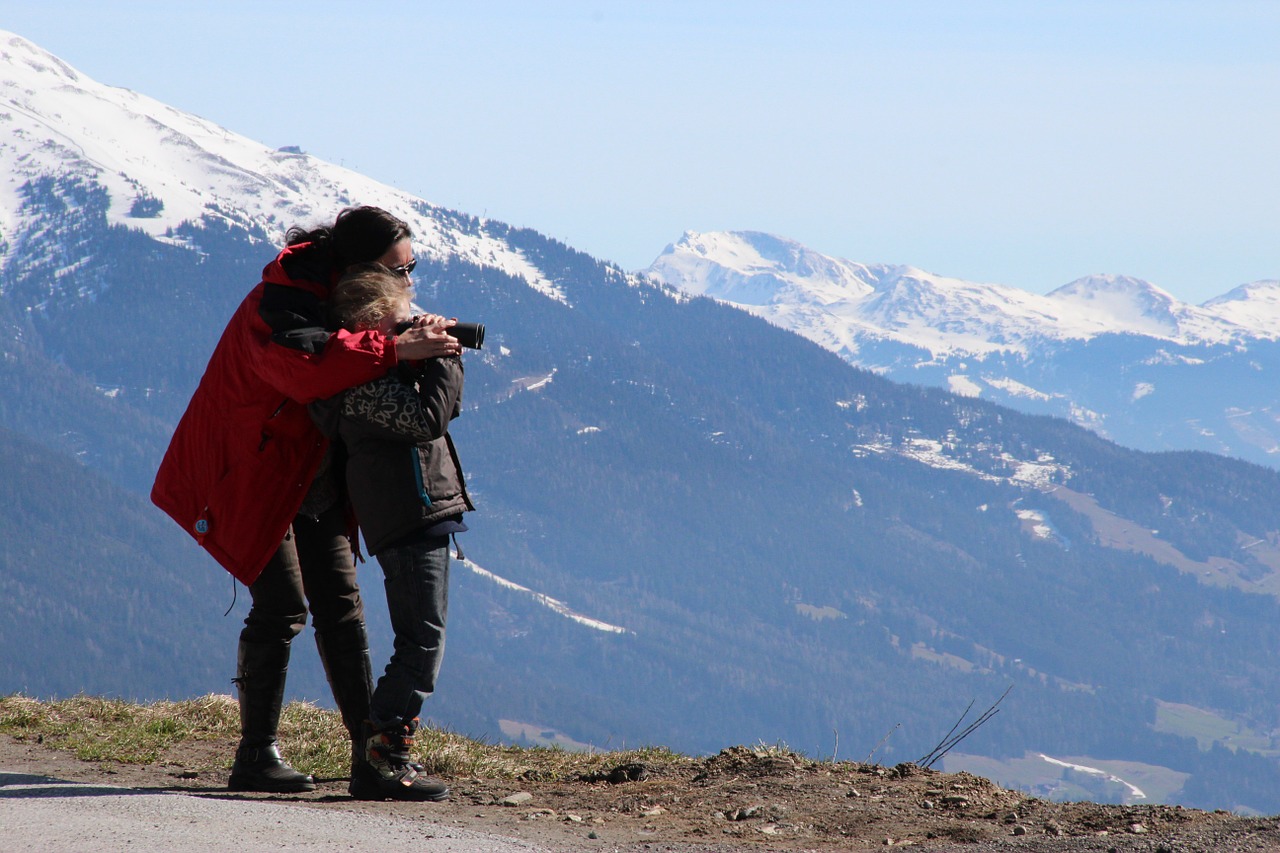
{"type": "Point", "coordinates": [359, 235]}
{"type": "Point", "coordinates": [364, 295]}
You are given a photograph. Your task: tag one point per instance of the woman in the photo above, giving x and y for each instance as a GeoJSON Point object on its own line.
{"type": "Point", "coordinates": [407, 487]}
{"type": "Point", "coordinates": [245, 455]}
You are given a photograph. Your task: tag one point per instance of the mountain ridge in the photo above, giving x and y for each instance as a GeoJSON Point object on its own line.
{"type": "Point", "coordinates": [759, 269]}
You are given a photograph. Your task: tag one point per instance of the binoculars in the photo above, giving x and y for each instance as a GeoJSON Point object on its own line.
{"type": "Point", "coordinates": [470, 335]}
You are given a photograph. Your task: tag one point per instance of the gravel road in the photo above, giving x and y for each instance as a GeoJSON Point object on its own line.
{"type": "Point", "coordinates": [42, 813]}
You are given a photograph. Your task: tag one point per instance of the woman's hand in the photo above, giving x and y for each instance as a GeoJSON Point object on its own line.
{"type": "Point", "coordinates": [427, 338]}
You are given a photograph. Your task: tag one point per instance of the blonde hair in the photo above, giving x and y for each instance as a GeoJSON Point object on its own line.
{"type": "Point", "coordinates": [364, 295]}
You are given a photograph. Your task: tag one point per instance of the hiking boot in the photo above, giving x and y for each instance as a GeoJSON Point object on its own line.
{"type": "Point", "coordinates": [260, 768]}
{"type": "Point", "coordinates": [388, 771]}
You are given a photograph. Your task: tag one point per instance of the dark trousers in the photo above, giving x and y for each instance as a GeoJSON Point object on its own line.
{"type": "Point", "coordinates": [417, 582]}
{"type": "Point", "coordinates": [312, 570]}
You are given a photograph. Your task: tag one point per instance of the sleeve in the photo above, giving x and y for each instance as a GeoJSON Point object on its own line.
{"type": "Point", "coordinates": [391, 408]}
{"type": "Point", "coordinates": [439, 382]}
{"type": "Point", "coordinates": [305, 361]}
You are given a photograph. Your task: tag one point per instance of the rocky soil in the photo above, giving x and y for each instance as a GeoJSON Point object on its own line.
{"type": "Point", "coordinates": [740, 799]}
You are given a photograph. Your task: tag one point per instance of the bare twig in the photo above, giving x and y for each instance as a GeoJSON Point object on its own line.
{"type": "Point", "coordinates": [968, 708]}
{"type": "Point", "coordinates": [951, 739]}
{"type": "Point", "coordinates": [881, 743]}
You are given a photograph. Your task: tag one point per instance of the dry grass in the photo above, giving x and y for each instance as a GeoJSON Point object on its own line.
{"type": "Point", "coordinates": [312, 738]}
{"type": "Point", "coordinates": [111, 730]}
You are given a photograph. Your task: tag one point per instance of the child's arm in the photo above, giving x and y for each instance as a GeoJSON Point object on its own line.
{"type": "Point", "coordinates": [440, 390]}
{"type": "Point", "coordinates": [391, 408]}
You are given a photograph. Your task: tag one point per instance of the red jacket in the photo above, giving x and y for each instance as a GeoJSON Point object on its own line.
{"type": "Point", "coordinates": [244, 454]}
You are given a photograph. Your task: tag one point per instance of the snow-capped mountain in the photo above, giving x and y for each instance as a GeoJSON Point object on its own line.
{"type": "Point", "coordinates": [162, 167]}
{"type": "Point", "coordinates": [1089, 350]}
{"type": "Point", "coordinates": [1255, 307]}
{"type": "Point", "coordinates": [777, 278]}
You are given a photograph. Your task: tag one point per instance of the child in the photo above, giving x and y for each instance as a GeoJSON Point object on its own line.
{"type": "Point", "coordinates": [407, 488]}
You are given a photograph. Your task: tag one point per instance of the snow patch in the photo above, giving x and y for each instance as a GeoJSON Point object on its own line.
{"type": "Point", "coordinates": [1094, 771]}
{"type": "Point", "coordinates": [858, 403]}
{"type": "Point", "coordinates": [1087, 418]}
{"type": "Point", "coordinates": [1037, 521]}
{"type": "Point", "coordinates": [1041, 473]}
{"type": "Point", "coordinates": [535, 383]}
{"type": "Point", "coordinates": [820, 614]}
{"type": "Point", "coordinates": [1014, 388]}
{"type": "Point", "coordinates": [1164, 357]}
{"type": "Point", "coordinates": [962, 385]}
{"type": "Point", "coordinates": [547, 601]}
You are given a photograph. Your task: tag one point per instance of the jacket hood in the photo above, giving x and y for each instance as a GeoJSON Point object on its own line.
{"type": "Point", "coordinates": [302, 265]}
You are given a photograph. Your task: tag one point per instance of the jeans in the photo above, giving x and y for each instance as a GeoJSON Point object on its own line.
{"type": "Point", "coordinates": [311, 570]}
{"type": "Point", "coordinates": [416, 577]}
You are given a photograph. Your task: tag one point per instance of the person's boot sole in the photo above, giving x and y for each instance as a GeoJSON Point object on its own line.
{"type": "Point", "coordinates": [266, 786]}
{"type": "Point", "coordinates": [380, 791]}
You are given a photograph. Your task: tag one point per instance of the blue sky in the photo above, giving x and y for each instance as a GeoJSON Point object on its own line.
{"type": "Point", "coordinates": [1022, 143]}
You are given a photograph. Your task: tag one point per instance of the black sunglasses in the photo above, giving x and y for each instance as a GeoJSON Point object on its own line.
{"type": "Point", "coordinates": [405, 269]}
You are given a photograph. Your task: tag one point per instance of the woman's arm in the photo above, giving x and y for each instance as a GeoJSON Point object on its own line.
{"type": "Point", "coordinates": [291, 350]}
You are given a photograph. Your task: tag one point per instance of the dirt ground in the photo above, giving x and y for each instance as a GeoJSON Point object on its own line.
{"type": "Point", "coordinates": [740, 799]}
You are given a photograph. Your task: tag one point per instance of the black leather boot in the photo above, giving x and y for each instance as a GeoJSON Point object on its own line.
{"type": "Point", "coordinates": [344, 651]}
{"type": "Point", "coordinates": [261, 669]}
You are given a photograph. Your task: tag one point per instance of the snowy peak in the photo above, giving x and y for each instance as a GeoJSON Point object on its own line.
{"type": "Point", "coordinates": [839, 303]}
{"type": "Point", "coordinates": [1254, 306]}
{"type": "Point", "coordinates": [752, 268]}
{"type": "Point", "coordinates": [1266, 292]}
{"type": "Point", "coordinates": [1130, 304]}
{"type": "Point", "coordinates": [162, 167]}
{"type": "Point", "coordinates": [40, 61]}
{"type": "Point", "coordinates": [59, 121]}
{"type": "Point", "coordinates": [1116, 290]}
